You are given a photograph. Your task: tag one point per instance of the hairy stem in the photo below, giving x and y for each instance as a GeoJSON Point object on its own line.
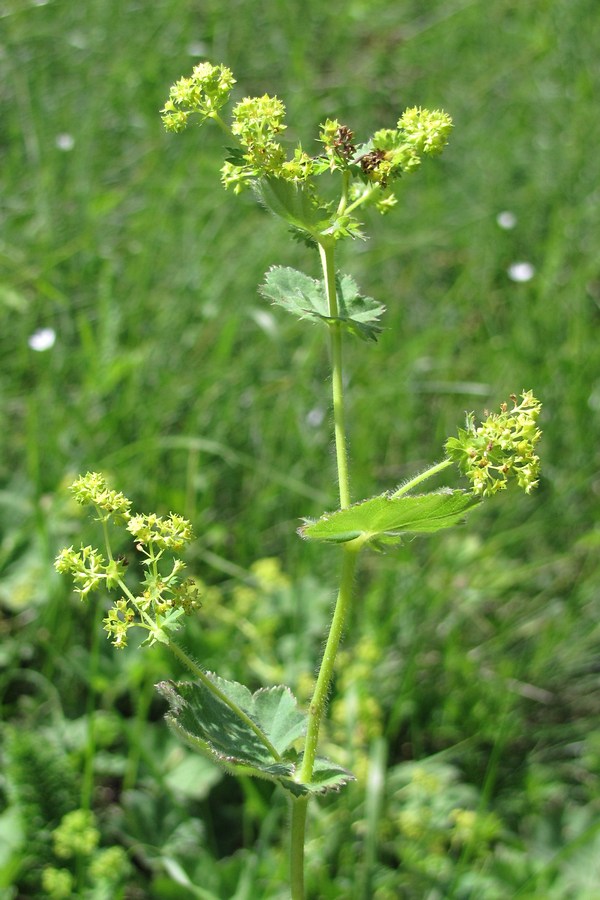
{"type": "Point", "coordinates": [423, 476]}
{"type": "Point", "coordinates": [344, 598]}
{"type": "Point", "coordinates": [315, 716]}
{"type": "Point", "coordinates": [319, 700]}
{"type": "Point", "coordinates": [327, 261]}
{"type": "Point", "coordinates": [298, 835]}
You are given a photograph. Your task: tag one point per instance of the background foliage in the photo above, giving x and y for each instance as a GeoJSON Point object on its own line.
{"type": "Point", "coordinates": [468, 693]}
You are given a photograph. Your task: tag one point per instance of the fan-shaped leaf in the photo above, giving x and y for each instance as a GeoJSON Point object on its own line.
{"type": "Point", "coordinates": [305, 297]}
{"type": "Point", "coordinates": [212, 726]}
{"type": "Point", "coordinates": [385, 517]}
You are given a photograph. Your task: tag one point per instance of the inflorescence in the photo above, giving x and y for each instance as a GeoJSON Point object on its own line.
{"type": "Point", "coordinates": [502, 447]}
{"type": "Point", "coordinates": [258, 122]}
{"type": "Point", "coordinates": [165, 595]}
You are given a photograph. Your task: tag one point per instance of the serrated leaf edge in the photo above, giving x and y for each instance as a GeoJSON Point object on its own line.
{"type": "Point", "coordinates": [387, 495]}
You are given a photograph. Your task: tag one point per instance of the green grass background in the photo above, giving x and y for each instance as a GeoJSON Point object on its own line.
{"type": "Point", "coordinates": [171, 375]}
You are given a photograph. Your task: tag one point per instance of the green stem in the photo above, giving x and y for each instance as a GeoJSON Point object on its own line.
{"type": "Point", "coordinates": [317, 706]}
{"type": "Point", "coordinates": [315, 716]}
{"type": "Point", "coordinates": [216, 692]}
{"type": "Point", "coordinates": [87, 782]}
{"type": "Point", "coordinates": [428, 473]}
{"type": "Point", "coordinates": [326, 252]}
{"type": "Point", "coordinates": [344, 198]}
{"type": "Point", "coordinates": [222, 125]}
{"type": "Point", "coordinates": [362, 199]}
{"type": "Point", "coordinates": [137, 735]}
{"type": "Point", "coordinates": [149, 626]}
{"type": "Point", "coordinates": [298, 832]}
{"type": "Point", "coordinates": [344, 598]}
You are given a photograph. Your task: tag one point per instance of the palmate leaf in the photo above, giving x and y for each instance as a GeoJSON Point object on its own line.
{"type": "Point", "coordinates": [386, 518]}
{"type": "Point", "coordinates": [305, 297]}
{"type": "Point", "coordinates": [211, 726]}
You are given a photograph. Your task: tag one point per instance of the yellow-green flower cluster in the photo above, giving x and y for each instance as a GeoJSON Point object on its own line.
{"type": "Point", "coordinates": [92, 489]}
{"type": "Point", "coordinates": [89, 569]}
{"type": "Point", "coordinates": [171, 533]}
{"type": "Point", "coordinates": [257, 124]}
{"type": "Point", "coordinates": [164, 596]}
{"type": "Point", "coordinates": [203, 94]}
{"type": "Point", "coordinates": [419, 133]}
{"type": "Point", "coordinates": [77, 835]}
{"type": "Point", "coordinates": [119, 619]}
{"type": "Point", "coordinates": [502, 447]}
{"type": "Point", "coordinates": [110, 865]}
{"type": "Point", "coordinates": [58, 884]}
{"type": "Point", "coordinates": [77, 838]}
{"type": "Point", "coordinates": [426, 131]}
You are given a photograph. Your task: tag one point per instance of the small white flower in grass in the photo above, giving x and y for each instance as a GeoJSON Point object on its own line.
{"type": "Point", "coordinates": [265, 320]}
{"type": "Point", "coordinates": [42, 339]}
{"type": "Point", "coordinates": [78, 40]}
{"type": "Point", "coordinates": [64, 142]}
{"type": "Point", "coordinates": [594, 398]}
{"type": "Point", "coordinates": [506, 220]}
{"type": "Point", "coordinates": [521, 271]}
{"type": "Point", "coordinates": [315, 417]}
{"type": "Point", "coordinates": [196, 48]}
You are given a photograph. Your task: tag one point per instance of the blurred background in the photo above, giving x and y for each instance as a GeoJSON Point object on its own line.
{"type": "Point", "coordinates": [133, 342]}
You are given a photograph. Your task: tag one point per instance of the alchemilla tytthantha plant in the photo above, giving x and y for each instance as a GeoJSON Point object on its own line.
{"type": "Point", "coordinates": [265, 733]}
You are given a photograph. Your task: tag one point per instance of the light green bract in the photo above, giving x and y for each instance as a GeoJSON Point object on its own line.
{"type": "Point", "coordinates": [385, 519]}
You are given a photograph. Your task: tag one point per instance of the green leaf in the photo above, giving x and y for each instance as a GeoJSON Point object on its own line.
{"type": "Point", "coordinates": [386, 517]}
{"type": "Point", "coordinates": [327, 776]}
{"type": "Point", "coordinates": [359, 314]}
{"type": "Point", "coordinates": [235, 155]}
{"type": "Point", "coordinates": [296, 204]}
{"type": "Point", "coordinates": [305, 297]}
{"type": "Point", "coordinates": [211, 726]}
{"type": "Point", "coordinates": [298, 293]}
{"type": "Point", "coordinates": [208, 723]}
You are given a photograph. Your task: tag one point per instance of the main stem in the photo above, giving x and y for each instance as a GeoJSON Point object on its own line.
{"type": "Point", "coordinates": [326, 252]}
{"type": "Point", "coordinates": [344, 598]}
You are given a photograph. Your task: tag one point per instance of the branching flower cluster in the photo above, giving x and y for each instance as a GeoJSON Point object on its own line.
{"type": "Point", "coordinates": [203, 94]}
{"type": "Point", "coordinates": [503, 446]}
{"type": "Point", "coordinates": [369, 169]}
{"type": "Point", "coordinates": [165, 595]}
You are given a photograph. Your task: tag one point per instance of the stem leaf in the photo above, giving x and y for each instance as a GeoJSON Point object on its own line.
{"type": "Point", "coordinates": [385, 518]}
{"type": "Point", "coordinates": [211, 727]}
{"type": "Point", "coordinates": [295, 204]}
{"type": "Point", "coordinates": [305, 297]}
{"type": "Point", "coordinates": [327, 776]}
